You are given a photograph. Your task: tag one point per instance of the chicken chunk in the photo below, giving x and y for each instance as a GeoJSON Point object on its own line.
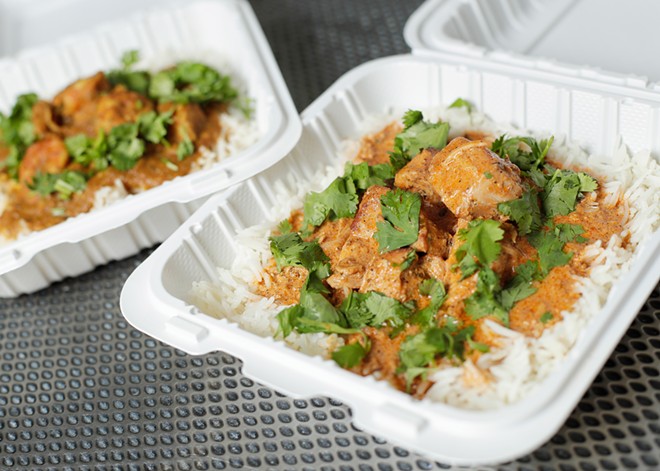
{"type": "Point", "coordinates": [119, 106]}
{"type": "Point", "coordinates": [188, 122]}
{"type": "Point", "coordinates": [471, 180]}
{"type": "Point", "coordinates": [80, 94]}
{"type": "Point", "coordinates": [416, 176]}
{"type": "Point", "coordinates": [360, 247]}
{"type": "Point", "coordinates": [48, 155]}
{"type": "Point", "coordinates": [436, 230]}
{"type": "Point", "coordinates": [43, 118]}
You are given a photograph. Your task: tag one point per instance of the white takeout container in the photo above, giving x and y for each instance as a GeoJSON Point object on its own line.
{"type": "Point", "coordinates": [585, 105]}
{"type": "Point", "coordinates": [223, 33]}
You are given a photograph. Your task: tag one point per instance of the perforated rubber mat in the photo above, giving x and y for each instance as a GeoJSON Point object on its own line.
{"type": "Point", "coordinates": [81, 389]}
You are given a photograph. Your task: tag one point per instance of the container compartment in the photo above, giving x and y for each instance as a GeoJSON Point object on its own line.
{"type": "Point", "coordinates": [208, 31]}
{"type": "Point", "coordinates": [392, 85]}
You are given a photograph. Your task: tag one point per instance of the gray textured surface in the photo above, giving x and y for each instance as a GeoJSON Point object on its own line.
{"type": "Point", "coordinates": [80, 389]}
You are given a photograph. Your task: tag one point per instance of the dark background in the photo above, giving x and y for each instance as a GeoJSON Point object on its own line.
{"type": "Point", "coordinates": [80, 389]}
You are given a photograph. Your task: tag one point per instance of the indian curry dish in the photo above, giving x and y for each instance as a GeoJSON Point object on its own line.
{"type": "Point", "coordinates": [126, 127]}
{"type": "Point", "coordinates": [422, 241]}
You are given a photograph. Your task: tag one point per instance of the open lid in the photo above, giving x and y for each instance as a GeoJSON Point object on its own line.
{"type": "Point", "coordinates": [608, 41]}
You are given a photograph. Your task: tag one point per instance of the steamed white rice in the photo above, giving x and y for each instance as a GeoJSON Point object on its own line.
{"type": "Point", "coordinates": [505, 374]}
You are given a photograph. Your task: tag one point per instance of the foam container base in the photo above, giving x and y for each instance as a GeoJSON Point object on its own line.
{"type": "Point", "coordinates": [154, 297]}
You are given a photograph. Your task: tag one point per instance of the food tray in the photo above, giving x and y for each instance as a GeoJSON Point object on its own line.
{"type": "Point", "coordinates": [587, 109]}
{"type": "Point", "coordinates": [181, 30]}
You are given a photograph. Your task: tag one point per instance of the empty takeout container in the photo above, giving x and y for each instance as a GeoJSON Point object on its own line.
{"type": "Point", "coordinates": [223, 33]}
{"type": "Point", "coordinates": [457, 51]}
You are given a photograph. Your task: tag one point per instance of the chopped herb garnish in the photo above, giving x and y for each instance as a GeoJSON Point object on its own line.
{"type": "Point", "coordinates": [170, 165]}
{"type": "Point", "coordinates": [481, 245]}
{"type": "Point", "coordinates": [417, 135]}
{"type": "Point", "coordinates": [461, 103]}
{"type": "Point", "coordinates": [138, 81]}
{"type": "Point", "coordinates": [550, 249]}
{"type": "Point", "coordinates": [191, 82]}
{"type": "Point", "coordinates": [374, 309]}
{"type": "Point", "coordinates": [526, 160]}
{"type": "Point", "coordinates": [411, 256]}
{"type": "Point", "coordinates": [284, 227]}
{"type": "Point", "coordinates": [436, 290]}
{"type": "Point", "coordinates": [488, 175]}
{"type": "Point", "coordinates": [185, 149]}
{"type": "Point", "coordinates": [290, 249]}
{"type": "Point", "coordinates": [569, 233]}
{"type": "Point", "coordinates": [525, 211]}
{"type": "Point", "coordinates": [420, 351]}
{"type": "Point", "coordinates": [17, 131]}
{"type": "Point", "coordinates": [153, 126]}
{"type": "Point", "coordinates": [563, 189]}
{"type": "Point", "coordinates": [401, 225]}
{"type": "Point", "coordinates": [546, 317]}
{"type": "Point", "coordinates": [365, 175]}
{"type": "Point", "coordinates": [65, 184]}
{"type": "Point", "coordinates": [485, 299]}
{"type": "Point", "coordinates": [520, 286]}
{"type": "Point", "coordinates": [124, 146]}
{"type": "Point", "coordinates": [338, 200]}
{"type": "Point", "coordinates": [349, 356]}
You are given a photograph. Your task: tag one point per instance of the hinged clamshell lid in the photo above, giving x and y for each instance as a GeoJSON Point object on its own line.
{"type": "Point", "coordinates": [608, 41]}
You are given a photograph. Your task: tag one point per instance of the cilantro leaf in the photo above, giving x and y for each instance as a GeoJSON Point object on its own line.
{"type": "Point", "coordinates": [461, 103]}
{"type": "Point", "coordinates": [374, 309]}
{"type": "Point", "coordinates": [191, 82]}
{"type": "Point", "coordinates": [546, 317]}
{"type": "Point", "coordinates": [87, 151]}
{"type": "Point", "coordinates": [64, 184]}
{"type": "Point", "coordinates": [484, 301]}
{"type": "Point", "coordinates": [550, 249]}
{"type": "Point", "coordinates": [516, 290]}
{"type": "Point", "coordinates": [436, 290]}
{"type": "Point", "coordinates": [153, 126]}
{"type": "Point", "coordinates": [481, 245]}
{"type": "Point", "coordinates": [526, 160]}
{"type": "Point", "coordinates": [185, 149]}
{"type": "Point", "coordinates": [17, 131]}
{"type": "Point", "coordinates": [411, 256]}
{"type": "Point", "coordinates": [284, 226]}
{"type": "Point", "coordinates": [524, 211]}
{"type": "Point", "coordinates": [401, 226]}
{"type": "Point", "coordinates": [138, 81]}
{"type": "Point", "coordinates": [569, 233]}
{"type": "Point", "coordinates": [290, 249]}
{"type": "Point", "coordinates": [349, 356]}
{"type": "Point", "coordinates": [561, 192]}
{"type": "Point", "coordinates": [339, 200]}
{"type": "Point", "coordinates": [417, 135]}
{"type": "Point", "coordinates": [418, 352]}
{"type": "Point", "coordinates": [365, 175]}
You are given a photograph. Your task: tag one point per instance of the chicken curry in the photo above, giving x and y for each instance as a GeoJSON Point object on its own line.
{"type": "Point", "coordinates": [125, 127]}
{"type": "Point", "coordinates": [422, 240]}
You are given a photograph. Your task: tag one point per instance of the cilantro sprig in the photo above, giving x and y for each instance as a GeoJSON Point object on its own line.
{"type": "Point", "coordinates": [435, 289]}
{"type": "Point", "coordinates": [400, 228]}
{"type": "Point", "coordinates": [419, 352]}
{"type": "Point", "coordinates": [481, 245]}
{"type": "Point", "coordinates": [191, 82]}
{"type": "Point", "coordinates": [63, 184]}
{"type": "Point", "coordinates": [136, 80]}
{"type": "Point", "coordinates": [526, 160]}
{"type": "Point", "coordinates": [416, 136]}
{"type": "Point", "coordinates": [17, 131]}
